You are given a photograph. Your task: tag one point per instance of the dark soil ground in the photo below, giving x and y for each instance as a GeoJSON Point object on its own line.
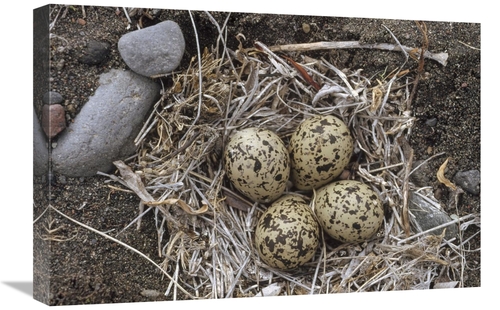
{"type": "Point", "coordinates": [86, 268]}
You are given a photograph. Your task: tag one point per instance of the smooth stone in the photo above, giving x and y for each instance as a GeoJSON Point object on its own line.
{"type": "Point", "coordinates": [40, 150]}
{"type": "Point", "coordinates": [52, 97]}
{"type": "Point", "coordinates": [154, 50]}
{"type": "Point", "coordinates": [105, 128]}
{"type": "Point", "coordinates": [53, 119]}
{"type": "Point", "coordinates": [95, 53]}
{"type": "Point", "coordinates": [469, 181]}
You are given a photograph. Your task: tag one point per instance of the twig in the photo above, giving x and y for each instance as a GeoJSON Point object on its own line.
{"type": "Point", "coordinates": [183, 147]}
{"type": "Point", "coordinates": [469, 46]}
{"type": "Point", "coordinates": [408, 152]}
{"type": "Point", "coordinates": [425, 161]}
{"type": "Point", "coordinates": [463, 218]}
{"type": "Point", "coordinates": [200, 75]}
{"type": "Point", "coordinates": [40, 216]}
{"type": "Point", "coordinates": [425, 45]}
{"type": "Point", "coordinates": [441, 58]}
{"type": "Point", "coordinates": [53, 23]}
{"type": "Point", "coordinates": [128, 17]}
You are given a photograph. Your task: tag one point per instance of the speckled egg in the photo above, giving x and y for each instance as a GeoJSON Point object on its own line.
{"type": "Point", "coordinates": [257, 164]}
{"type": "Point", "coordinates": [320, 149]}
{"type": "Point", "coordinates": [287, 233]}
{"type": "Point", "coordinates": [348, 210]}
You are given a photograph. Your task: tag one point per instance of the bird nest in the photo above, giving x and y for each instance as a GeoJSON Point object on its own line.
{"type": "Point", "coordinates": [205, 227]}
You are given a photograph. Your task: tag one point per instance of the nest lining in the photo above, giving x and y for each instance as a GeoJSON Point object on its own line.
{"type": "Point", "coordinates": [205, 228]}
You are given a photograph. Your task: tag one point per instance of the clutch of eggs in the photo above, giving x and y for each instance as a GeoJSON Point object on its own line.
{"type": "Point", "coordinates": [320, 149]}
{"type": "Point", "coordinates": [257, 164]}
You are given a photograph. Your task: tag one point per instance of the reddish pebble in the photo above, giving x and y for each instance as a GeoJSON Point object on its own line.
{"type": "Point", "coordinates": [53, 119]}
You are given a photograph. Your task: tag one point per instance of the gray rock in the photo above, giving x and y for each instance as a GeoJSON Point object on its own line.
{"type": "Point", "coordinates": [428, 214]}
{"type": "Point", "coordinates": [106, 126]}
{"type": "Point", "coordinates": [40, 150]}
{"type": "Point", "coordinates": [468, 180]}
{"type": "Point", "coordinates": [153, 50]}
{"type": "Point", "coordinates": [52, 97]}
{"type": "Point", "coordinates": [95, 53]}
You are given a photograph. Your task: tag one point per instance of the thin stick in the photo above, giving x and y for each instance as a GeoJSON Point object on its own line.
{"type": "Point", "coordinates": [423, 28]}
{"type": "Point", "coordinates": [126, 15]}
{"type": "Point", "coordinates": [463, 218]}
{"type": "Point", "coordinates": [441, 58]}
{"type": "Point", "coordinates": [200, 77]}
{"type": "Point", "coordinates": [40, 216]}
{"type": "Point", "coordinates": [405, 215]}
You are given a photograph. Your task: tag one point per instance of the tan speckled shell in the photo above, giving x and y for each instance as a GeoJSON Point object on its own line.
{"type": "Point", "coordinates": [348, 210]}
{"type": "Point", "coordinates": [257, 164]}
{"type": "Point", "coordinates": [287, 233]}
{"type": "Point", "coordinates": [320, 149]}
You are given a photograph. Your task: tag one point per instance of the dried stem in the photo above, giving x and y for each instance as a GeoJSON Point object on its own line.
{"type": "Point", "coordinates": [441, 58]}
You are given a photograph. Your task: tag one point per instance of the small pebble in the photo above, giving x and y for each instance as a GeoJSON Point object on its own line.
{"type": "Point", "coordinates": [306, 28]}
{"type": "Point", "coordinates": [95, 53]}
{"type": "Point", "coordinates": [53, 119]}
{"type": "Point", "coordinates": [60, 65]}
{"type": "Point", "coordinates": [150, 293]}
{"type": "Point", "coordinates": [61, 179]}
{"type": "Point", "coordinates": [468, 180]}
{"type": "Point", "coordinates": [71, 108]}
{"type": "Point", "coordinates": [431, 122]}
{"type": "Point", "coordinates": [52, 97]}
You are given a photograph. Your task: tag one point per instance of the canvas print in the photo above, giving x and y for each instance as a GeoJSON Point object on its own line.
{"type": "Point", "coordinates": [191, 155]}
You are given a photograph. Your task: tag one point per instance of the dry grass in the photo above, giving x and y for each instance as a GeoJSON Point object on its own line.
{"type": "Point", "coordinates": [205, 229]}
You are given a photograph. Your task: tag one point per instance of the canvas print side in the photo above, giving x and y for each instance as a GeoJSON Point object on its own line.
{"type": "Point", "coordinates": [41, 189]}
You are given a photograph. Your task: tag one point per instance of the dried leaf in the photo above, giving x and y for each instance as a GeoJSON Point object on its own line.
{"type": "Point", "coordinates": [134, 182]}
{"type": "Point", "coordinates": [377, 96]}
{"type": "Point", "coordinates": [187, 208]}
{"type": "Point", "coordinates": [441, 178]}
